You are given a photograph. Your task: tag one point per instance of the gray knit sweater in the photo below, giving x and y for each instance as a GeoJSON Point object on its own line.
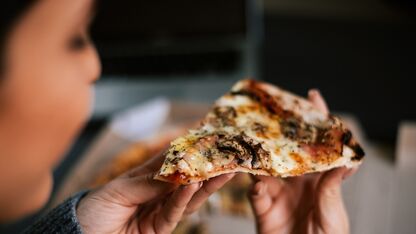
{"type": "Point", "coordinates": [62, 219]}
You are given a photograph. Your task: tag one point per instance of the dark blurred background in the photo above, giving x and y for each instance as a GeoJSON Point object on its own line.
{"type": "Point", "coordinates": [359, 53]}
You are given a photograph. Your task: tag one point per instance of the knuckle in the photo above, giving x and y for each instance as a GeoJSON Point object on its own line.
{"type": "Point", "coordinates": [191, 209]}
{"type": "Point", "coordinates": [208, 190]}
{"type": "Point", "coordinates": [148, 179]}
{"type": "Point", "coordinates": [332, 193]}
{"type": "Point", "coordinates": [168, 219]}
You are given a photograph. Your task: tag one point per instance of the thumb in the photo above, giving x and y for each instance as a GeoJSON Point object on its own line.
{"type": "Point", "coordinates": [332, 214]}
{"type": "Point", "coordinates": [261, 200]}
{"type": "Point", "coordinates": [317, 100]}
{"type": "Point", "coordinates": [330, 183]}
{"type": "Point", "coordinates": [136, 190]}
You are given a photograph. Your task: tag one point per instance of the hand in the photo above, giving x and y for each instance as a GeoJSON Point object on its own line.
{"type": "Point", "coordinates": [136, 203]}
{"type": "Point", "coordinates": [305, 204]}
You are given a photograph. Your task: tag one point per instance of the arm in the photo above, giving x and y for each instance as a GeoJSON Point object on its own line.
{"type": "Point", "coordinates": [61, 219]}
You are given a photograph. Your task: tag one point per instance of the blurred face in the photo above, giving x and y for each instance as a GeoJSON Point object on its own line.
{"type": "Point", "coordinates": [45, 98]}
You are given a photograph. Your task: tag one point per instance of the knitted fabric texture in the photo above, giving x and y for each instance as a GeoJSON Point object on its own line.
{"type": "Point", "coordinates": [62, 219]}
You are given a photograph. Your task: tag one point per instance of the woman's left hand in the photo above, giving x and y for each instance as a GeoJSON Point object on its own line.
{"type": "Point", "coordinates": [310, 203]}
{"type": "Point", "coordinates": [136, 203]}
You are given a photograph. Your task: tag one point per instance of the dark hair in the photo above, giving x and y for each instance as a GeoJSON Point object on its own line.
{"type": "Point", "coordinates": [10, 11]}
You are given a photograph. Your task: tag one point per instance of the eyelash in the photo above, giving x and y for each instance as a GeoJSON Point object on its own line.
{"type": "Point", "coordinates": [79, 42]}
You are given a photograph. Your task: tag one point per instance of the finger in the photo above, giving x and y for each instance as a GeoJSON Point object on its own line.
{"type": "Point", "coordinates": [313, 179]}
{"type": "Point", "coordinates": [315, 97]}
{"type": "Point", "coordinates": [275, 185]}
{"type": "Point", "coordinates": [173, 210]}
{"type": "Point", "coordinates": [145, 209]}
{"type": "Point", "coordinates": [136, 190]}
{"type": "Point", "coordinates": [208, 188]}
{"type": "Point", "coordinates": [329, 196]}
{"type": "Point", "coordinates": [349, 173]}
{"type": "Point", "coordinates": [150, 166]}
{"type": "Point", "coordinates": [261, 200]}
{"type": "Point", "coordinates": [309, 185]}
{"type": "Point", "coordinates": [330, 183]}
{"type": "Point", "coordinates": [145, 219]}
{"type": "Point", "coordinates": [331, 207]}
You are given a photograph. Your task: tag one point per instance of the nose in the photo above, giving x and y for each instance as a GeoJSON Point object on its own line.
{"type": "Point", "coordinates": [93, 65]}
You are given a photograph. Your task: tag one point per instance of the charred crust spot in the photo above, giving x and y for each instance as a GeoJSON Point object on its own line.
{"type": "Point", "coordinates": [263, 131]}
{"type": "Point", "coordinates": [261, 157]}
{"type": "Point", "coordinates": [247, 93]}
{"type": "Point", "coordinates": [240, 161]}
{"type": "Point", "coordinates": [226, 115]}
{"type": "Point", "coordinates": [359, 152]}
{"type": "Point", "coordinates": [175, 152]}
{"type": "Point", "coordinates": [289, 128]}
{"type": "Point", "coordinates": [225, 148]}
{"type": "Point", "coordinates": [346, 137]}
{"type": "Point", "coordinates": [296, 129]}
{"type": "Point", "coordinates": [257, 94]}
{"type": "Point", "coordinates": [172, 161]}
{"type": "Point", "coordinates": [324, 137]}
{"type": "Point", "coordinates": [258, 127]}
{"type": "Point", "coordinates": [255, 159]}
{"type": "Point", "coordinates": [208, 154]}
{"type": "Point", "coordinates": [249, 148]}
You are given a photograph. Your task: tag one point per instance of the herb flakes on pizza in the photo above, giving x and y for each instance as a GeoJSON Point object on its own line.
{"type": "Point", "coordinates": [263, 130]}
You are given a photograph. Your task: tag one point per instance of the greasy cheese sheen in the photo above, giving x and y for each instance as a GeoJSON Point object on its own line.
{"type": "Point", "coordinates": [194, 163]}
{"type": "Point", "coordinates": [287, 158]}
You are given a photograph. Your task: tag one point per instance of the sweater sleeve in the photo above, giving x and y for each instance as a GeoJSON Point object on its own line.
{"type": "Point", "coordinates": [62, 219]}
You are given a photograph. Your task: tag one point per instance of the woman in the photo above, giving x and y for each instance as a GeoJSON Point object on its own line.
{"type": "Point", "coordinates": [48, 67]}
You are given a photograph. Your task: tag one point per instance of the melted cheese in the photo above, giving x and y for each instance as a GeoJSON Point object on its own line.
{"type": "Point", "coordinates": [282, 162]}
{"type": "Point", "coordinates": [194, 163]}
{"type": "Point", "coordinates": [286, 156]}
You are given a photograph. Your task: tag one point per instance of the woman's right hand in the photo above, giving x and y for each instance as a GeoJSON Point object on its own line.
{"type": "Point", "coordinates": [136, 203]}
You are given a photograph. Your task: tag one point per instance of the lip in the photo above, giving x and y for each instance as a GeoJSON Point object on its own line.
{"type": "Point", "coordinates": [92, 102]}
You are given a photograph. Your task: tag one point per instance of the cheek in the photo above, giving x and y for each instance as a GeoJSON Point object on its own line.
{"type": "Point", "coordinates": [68, 108]}
{"type": "Point", "coordinates": [51, 102]}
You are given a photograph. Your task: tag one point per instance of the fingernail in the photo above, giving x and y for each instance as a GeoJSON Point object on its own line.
{"type": "Point", "coordinates": [258, 189]}
{"type": "Point", "coordinates": [229, 175]}
{"type": "Point", "coordinates": [346, 174]}
{"type": "Point", "coordinates": [313, 92]}
{"type": "Point", "coordinates": [200, 184]}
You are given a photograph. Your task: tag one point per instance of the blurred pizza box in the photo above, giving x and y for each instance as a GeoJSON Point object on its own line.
{"type": "Point", "coordinates": [152, 121]}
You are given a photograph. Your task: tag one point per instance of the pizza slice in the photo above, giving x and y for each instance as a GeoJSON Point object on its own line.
{"type": "Point", "coordinates": [263, 130]}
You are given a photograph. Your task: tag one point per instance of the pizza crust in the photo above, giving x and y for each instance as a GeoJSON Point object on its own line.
{"type": "Point", "coordinates": [191, 180]}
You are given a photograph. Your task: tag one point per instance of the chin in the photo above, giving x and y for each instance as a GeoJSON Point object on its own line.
{"type": "Point", "coordinates": [41, 196]}
{"type": "Point", "coordinates": [35, 200]}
